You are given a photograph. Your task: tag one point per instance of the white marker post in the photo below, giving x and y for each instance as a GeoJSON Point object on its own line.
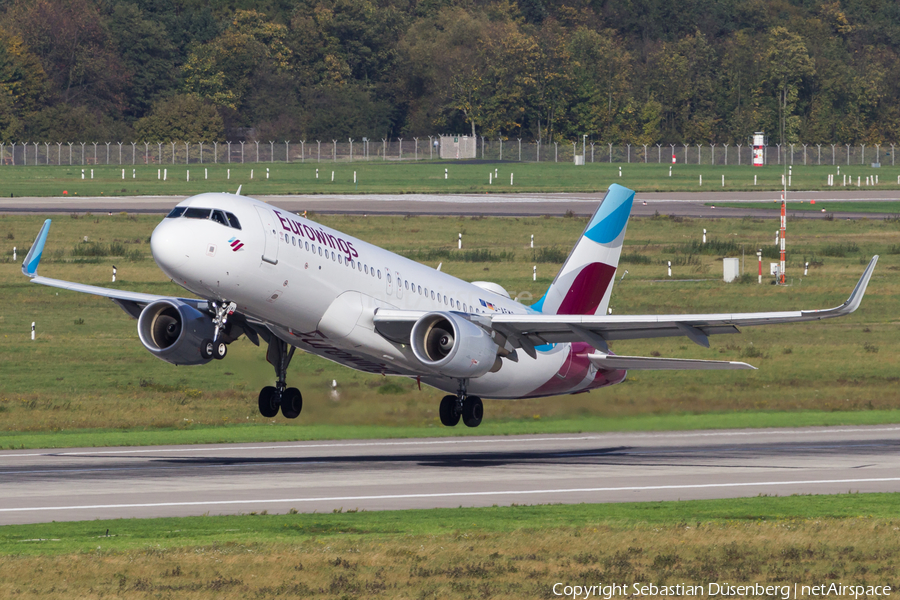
{"type": "Point", "coordinates": [701, 180]}
{"type": "Point", "coordinates": [332, 177]}
{"type": "Point", "coordinates": [511, 179]}
{"type": "Point", "coordinates": [317, 173]}
{"type": "Point", "coordinates": [14, 253]}
{"type": "Point", "coordinates": [723, 181]}
{"type": "Point", "coordinates": [92, 173]}
{"type": "Point", "coordinates": [445, 174]}
{"type": "Point", "coordinates": [205, 173]}
{"type": "Point", "coordinates": [670, 268]}
{"type": "Point", "coordinates": [159, 174]}
{"type": "Point", "coordinates": [805, 268]}
{"type": "Point", "coordinates": [165, 174]}
{"type": "Point", "coordinates": [704, 236]}
{"type": "Point", "coordinates": [490, 178]}
{"type": "Point", "coordinates": [670, 170]}
{"type": "Point", "coordinates": [32, 331]}
{"type": "Point", "coordinates": [114, 274]}
{"type": "Point", "coordinates": [123, 173]}
{"type": "Point", "coordinates": [82, 173]}
{"type": "Point", "coordinates": [532, 241]}
{"type": "Point", "coordinates": [534, 273]}
{"type": "Point", "coordinates": [620, 171]}
{"type": "Point", "coordinates": [228, 176]}
{"type": "Point", "coordinates": [754, 180]}
{"type": "Point", "coordinates": [267, 172]}
{"type": "Point", "coordinates": [460, 242]}
{"type": "Point", "coordinates": [188, 175]}
{"type": "Point", "coordinates": [251, 173]}
{"type": "Point", "coordinates": [354, 177]}
{"type": "Point", "coordinates": [134, 173]}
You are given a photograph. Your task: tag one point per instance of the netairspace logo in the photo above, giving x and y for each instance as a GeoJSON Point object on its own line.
{"type": "Point", "coordinates": [725, 590]}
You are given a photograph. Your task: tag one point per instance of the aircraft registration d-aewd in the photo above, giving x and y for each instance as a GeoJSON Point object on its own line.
{"type": "Point", "coordinates": [269, 274]}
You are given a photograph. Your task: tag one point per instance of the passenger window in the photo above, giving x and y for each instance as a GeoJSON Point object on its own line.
{"type": "Point", "coordinates": [176, 212]}
{"type": "Point", "coordinates": [197, 213]}
{"type": "Point", "coordinates": [219, 217]}
{"type": "Point", "coordinates": [307, 246]}
{"type": "Point", "coordinates": [420, 289]}
{"type": "Point", "coordinates": [367, 269]}
{"type": "Point", "coordinates": [293, 241]}
{"type": "Point", "coordinates": [233, 220]}
{"type": "Point", "coordinates": [432, 294]}
{"type": "Point", "coordinates": [320, 250]}
{"type": "Point", "coordinates": [379, 273]}
{"type": "Point", "coordinates": [340, 259]}
{"type": "Point", "coordinates": [465, 308]}
{"type": "Point", "coordinates": [406, 284]}
{"type": "Point", "coordinates": [389, 277]}
{"type": "Point", "coordinates": [445, 300]}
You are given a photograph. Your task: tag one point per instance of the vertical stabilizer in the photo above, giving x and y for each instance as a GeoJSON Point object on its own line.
{"type": "Point", "coordinates": [584, 284]}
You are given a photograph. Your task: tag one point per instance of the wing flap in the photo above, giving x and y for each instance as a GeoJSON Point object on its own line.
{"type": "Point", "coordinates": [648, 363]}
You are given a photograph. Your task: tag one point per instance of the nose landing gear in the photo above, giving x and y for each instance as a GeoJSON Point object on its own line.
{"type": "Point", "coordinates": [289, 400]}
{"type": "Point", "coordinates": [469, 408]}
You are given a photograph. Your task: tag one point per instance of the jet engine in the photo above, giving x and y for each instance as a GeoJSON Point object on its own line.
{"type": "Point", "coordinates": [453, 346]}
{"type": "Point", "coordinates": [174, 331]}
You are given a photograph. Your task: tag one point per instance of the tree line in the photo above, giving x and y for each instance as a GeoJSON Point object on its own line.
{"type": "Point", "coordinates": [636, 71]}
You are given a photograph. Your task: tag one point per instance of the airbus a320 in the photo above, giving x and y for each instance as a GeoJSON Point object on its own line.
{"type": "Point", "coordinates": [292, 283]}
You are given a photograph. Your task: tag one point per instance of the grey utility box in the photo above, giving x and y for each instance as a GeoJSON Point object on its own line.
{"type": "Point", "coordinates": [732, 268]}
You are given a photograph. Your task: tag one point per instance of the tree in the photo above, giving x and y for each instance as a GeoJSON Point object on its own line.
{"type": "Point", "coordinates": [181, 118]}
{"type": "Point", "coordinates": [787, 64]}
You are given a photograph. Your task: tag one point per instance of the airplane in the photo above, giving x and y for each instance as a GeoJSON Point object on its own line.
{"type": "Point", "coordinates": [274, 276]}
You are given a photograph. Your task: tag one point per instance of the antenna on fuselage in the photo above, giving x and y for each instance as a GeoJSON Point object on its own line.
{"type": "Point", "coordinates": [238, 193]}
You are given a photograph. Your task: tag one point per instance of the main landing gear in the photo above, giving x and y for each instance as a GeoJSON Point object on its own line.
{"type": "Point", "coordinates": [470, 408]}
{"type": "Point", "coordinates": [289, 400]}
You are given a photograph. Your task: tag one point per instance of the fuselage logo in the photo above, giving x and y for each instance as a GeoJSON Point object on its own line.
{"type": "Point", "coordinates": [236, 244]}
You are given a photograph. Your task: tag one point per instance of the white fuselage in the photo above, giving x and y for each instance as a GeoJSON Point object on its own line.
{"type": "Point", "coordinates": [318, 289]}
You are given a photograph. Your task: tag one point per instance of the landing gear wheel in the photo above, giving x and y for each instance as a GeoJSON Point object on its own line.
{"type": "Point", "coordinates": [291, 403]}
{"type": "Point", "coordinates": [207, 349]}
{"type": "Point", "coordinates": [473, 411]}
{"type": "Point", "coordinates": [269, 401]}
{"type": "Point", "coordinates": [449, 414]}
{"type": "Point", "coordinates": [220, 349]}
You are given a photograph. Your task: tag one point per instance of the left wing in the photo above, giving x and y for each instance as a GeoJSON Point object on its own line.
{"type": "Point", "coordinates": [131, 302]}
{"type": "Point", "coordinates": [535, 329]}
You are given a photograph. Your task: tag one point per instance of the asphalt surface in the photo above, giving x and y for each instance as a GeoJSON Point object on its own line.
{"type": "Point", "coordinates": [82, 484]}
{"type": "Point", "coordinates": [684, 204]}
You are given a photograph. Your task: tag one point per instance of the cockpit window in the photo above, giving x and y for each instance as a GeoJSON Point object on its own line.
{"type": "Point", "coordinates": [197, 213]}
{"type": "Point", "coordinates": [233, 220]}
{"type": "Point", "coordinates": [219, 217]}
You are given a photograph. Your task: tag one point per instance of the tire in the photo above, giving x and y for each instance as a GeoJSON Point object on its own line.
{"type": "Point", "coordinates": [268, 402]}
{"type": "Point", "coordinates": [473, 411]}
{"type": "Point", "coordinates": [449, 416]}
{"type": "Point", "coordinates": [291, 403]}
{"type": "Point", "coordinates": [207, 349]}
{"type": "Point", "coordinates": [220, 349]}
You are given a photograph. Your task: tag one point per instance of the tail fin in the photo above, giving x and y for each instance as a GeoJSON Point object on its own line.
{"type": "Point", "coordinates": [584, 284]}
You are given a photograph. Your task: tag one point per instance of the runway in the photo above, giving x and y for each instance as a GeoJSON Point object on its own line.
{"type": "Point", "coordinates": [683, 204]}
{"type": "Point", "coordinates": [84, 484]}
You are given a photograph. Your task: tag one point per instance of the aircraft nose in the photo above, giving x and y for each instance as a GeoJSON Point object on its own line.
{"type": "Point", "coordinates": [168, 247]}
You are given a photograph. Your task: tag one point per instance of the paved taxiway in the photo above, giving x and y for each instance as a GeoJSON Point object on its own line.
{"type": "Point", "coordinates": [80, 484]}
{"type": "Point", "coordinates": [684, 204]}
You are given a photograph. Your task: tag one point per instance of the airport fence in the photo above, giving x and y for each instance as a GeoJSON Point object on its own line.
{"type": "Point", "coordinates": [427, 149]}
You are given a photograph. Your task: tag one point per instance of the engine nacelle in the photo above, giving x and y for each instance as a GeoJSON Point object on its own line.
{"type": "Point", "coordinates": [453, 346]}
{"type": "Point", "coordinates": [173, 331]}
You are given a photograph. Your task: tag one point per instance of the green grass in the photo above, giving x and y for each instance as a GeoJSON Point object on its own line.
{"type": "Point", "coordinates": [409, 177]}
{"type": "Point", "coordinates": [185, 532]}
{"type": "Point", "coordinates": [87, 380]}
{"type": "Point", "coordinates": [888, 207]}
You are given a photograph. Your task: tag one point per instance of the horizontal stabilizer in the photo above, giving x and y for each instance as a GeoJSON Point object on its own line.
{"type": "Point", "coordinates": [648, 363]}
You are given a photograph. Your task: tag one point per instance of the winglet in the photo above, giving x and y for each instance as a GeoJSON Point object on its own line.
{"type": "Point", "coordinates": [853, 301]}
{"type": "Point", "coordinates": [30, 264]}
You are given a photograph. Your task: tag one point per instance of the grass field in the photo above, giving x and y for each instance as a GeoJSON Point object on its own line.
{"type": "Point", "coordinates": [86, 376]}
{"type": "Point", "coordinates": [409, 176]}
{"type": "Point", "coordinates": [500, 552]}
